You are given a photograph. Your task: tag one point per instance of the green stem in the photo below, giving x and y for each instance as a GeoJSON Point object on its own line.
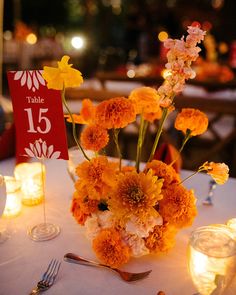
{"type": "Point", "coordinates": [115, 136]}
{"type": "Point", "coordinates": [186, 138]}
{"type": "Point", "coordinates": [200, 169]}
{"type": "Point", "coordinates": [159, 131]}
{"type": "Point", "coordinates": [189, 177]}
{"type": "Point", "coordinates": [73, 124]}
{"type": "Point", "coordinates": [140, 143]}
{"type": "Point", "coordinates": [145, 129]}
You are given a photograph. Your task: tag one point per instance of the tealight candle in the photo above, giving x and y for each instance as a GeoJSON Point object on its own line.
{"type": "Point", "coordinates": [212, 259]}
{"type": "Point", "coordinates": [13, 200]}
{"type": "Point", "coordinates": [31, 176]}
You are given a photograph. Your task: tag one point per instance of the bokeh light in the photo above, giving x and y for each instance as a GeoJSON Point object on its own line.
{"type": "Point", "coordinates": [77, 42]}
{"type": "Point", "coordinates": [31, 38]}
{"type": "Point", "coordinates": [162, 36]}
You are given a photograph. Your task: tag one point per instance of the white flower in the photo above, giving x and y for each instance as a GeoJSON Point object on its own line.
{"type": "Point", "coordinates": [141, 229]}
{"type": "Point", "coordinates": [39, 149]}
{"type": "Point", "coordinates": [31, 79]}
{"type": "Point", "coordinates": [98, 221]}
{"type": "Point", "coordinates": [136, 244]}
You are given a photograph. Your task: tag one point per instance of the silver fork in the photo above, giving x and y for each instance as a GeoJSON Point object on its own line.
{"type": "Point", "coordinates": [126, 276]}
{"type": "Point", "coordinates": [48, 277]}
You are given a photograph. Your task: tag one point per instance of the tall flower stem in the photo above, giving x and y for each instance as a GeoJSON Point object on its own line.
{"type": "Point", "coordinates": [159, 131]}
{"type": "Point", "coordinates": [145, 129]}
{"type": "Point", "coordinates": [115, 136]}
{"type": "Point", "coordinates": [200, 169]}
{"type": "Point", "coordinates": [73, 124]}
{"type": "Point", "coordinates": [186, 138]}
{"type": "Point", "coordinates": [140, 142]}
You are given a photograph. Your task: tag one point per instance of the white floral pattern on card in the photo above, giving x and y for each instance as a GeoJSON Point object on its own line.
{"type": "Point", "coordinates": [31, 79]}
{"type": "Point", "coordinates": [39, 149]}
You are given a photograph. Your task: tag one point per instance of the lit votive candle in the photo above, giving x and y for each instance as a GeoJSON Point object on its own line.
{"type": "Point", "coordinates": [13, 200]}
{"type": "Point", "coordinates": [31, 176]}
{"type": "Point", "coordinates": [212, 259]}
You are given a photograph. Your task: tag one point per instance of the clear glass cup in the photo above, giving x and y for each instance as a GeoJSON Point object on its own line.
{"type": "Point", "coordinates": [212, 259]}
{"type": "Point", "coordinates": [76, 157]}
{"type": "Point", "coordinates": [3, 197]}
{"type": "Point", "coordinates": [10, 204]}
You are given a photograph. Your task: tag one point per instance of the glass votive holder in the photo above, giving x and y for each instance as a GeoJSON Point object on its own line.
{"type": "Point", "coordinates": [13, 201]}
{"type": "Point", "coordinates": [31, 176]}
{"type": "Point", "coordinates": [232, 224]}
{"type": "Point", "coordinates": [212, 259]}
{"type": "Point", "coordinates": [75, 158]}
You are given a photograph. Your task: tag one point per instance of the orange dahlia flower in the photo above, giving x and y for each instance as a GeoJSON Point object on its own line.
{"type": "Point", "coordinates": [96, 177]}
{"type": "Point", "coordinates": [110, 249]}
{"type": "Point", "coordinates": [82, 207]}
{"type": "Point", "coordinates": [94, 138]}
{"type": "Point", "coordinates": [87, 113]}
{"type": "Point", "coordinates": [135, 193]}
{"type": "Point", "coordinates": [164, 171]}
{"type": "Point", "coordinates": [161, 239]}
{"type": "Point", "coordinates": [178, 205]}
{"type": "Point", "coordinates": [115, 113]}
{"type": "Point", "coordinates": [193, 120]}
{"type": "Point", "coordinates": [218, 171]}
{"type": "Point", "coordinates": [146, 100]}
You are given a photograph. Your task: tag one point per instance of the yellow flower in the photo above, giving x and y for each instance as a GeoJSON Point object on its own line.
{"type": "Point", "coordinates": [146, 100]}
{"type": "Point", "coordinates": [218, 171]}
{"type": "Point", "coordinates": [62, 77]}
{"type": "Point", "coordinates": [110, 249]}
{"type": "Point", "coordinates": [135, 193]}
{"type": "Point", "coordinates": [178, 206]}
{"type": "Point", "coordinates": [161, 239]}
{"type": "Point", "coordinates": [193, 120]}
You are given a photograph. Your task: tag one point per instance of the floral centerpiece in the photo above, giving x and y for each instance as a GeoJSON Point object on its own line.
{"type": "Point", "coordinates": [128, 211]}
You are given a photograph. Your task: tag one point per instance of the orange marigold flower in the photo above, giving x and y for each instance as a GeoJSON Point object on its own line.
{"type": "Point", "coordinates": [193, 120]}
{"type": "Point", "coordinates": [218, 171]}
{"type": "Point", "coordinates": [115, 113]}
{"type": "Point", "coordinates": [82, 207]}
{"type": "Point", "coordinates": [161, 239]}
{"type": "Point", "coordinates": [178, 205]}
{"type": "Point", "coordinates": [94, 138]}
{"type": "Point", "coordinates": [151, 117]}
{"type": "Point", "coordinates": [135, 193]}
{"type": "Point", "coordinates": [110, 249]}
{"type": "Point", "coordinates": [96, 177]}
{"type": "Point", "coordinates": [126, 169]}
{"type": "Point", "coordinates": [78, 119]}
{"type": "Point", "coordinates": [164, 171]}
{"type": "Point", "coordinates": [87, 113]}
{"type": "Point", "coordinates": [146, 100]}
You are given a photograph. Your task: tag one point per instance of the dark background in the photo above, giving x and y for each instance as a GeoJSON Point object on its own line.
{"type": "Point", "coordinates": [120, 23]}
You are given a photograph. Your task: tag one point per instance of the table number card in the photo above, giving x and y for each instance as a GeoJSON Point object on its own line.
{"type": "Point", "coordinates": [38, 115]}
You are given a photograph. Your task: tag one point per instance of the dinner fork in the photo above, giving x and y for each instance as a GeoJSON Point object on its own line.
{"type": "Point", "coordinates": [126, 276]}
{"type": "Point", "coordinates": [48, 277]}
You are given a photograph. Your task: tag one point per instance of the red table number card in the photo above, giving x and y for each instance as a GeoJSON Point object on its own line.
{"type": "Point", "coordinates": [38, 115]}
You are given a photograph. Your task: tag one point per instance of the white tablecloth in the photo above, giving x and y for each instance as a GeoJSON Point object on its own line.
{"type": "Point", "coordinates": [22, 261]}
